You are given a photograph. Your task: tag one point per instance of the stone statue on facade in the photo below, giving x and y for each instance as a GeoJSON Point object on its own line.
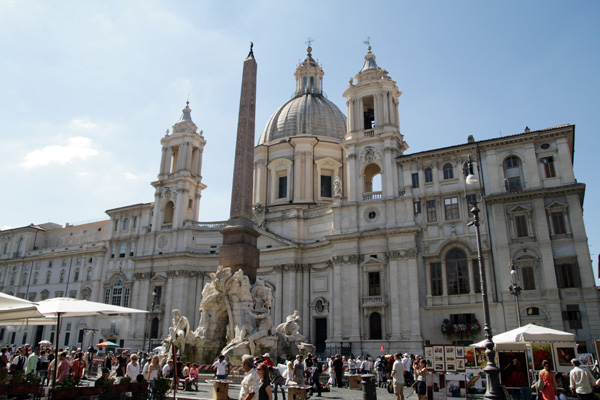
{"type": "Point", "coordinates": [337, 187]}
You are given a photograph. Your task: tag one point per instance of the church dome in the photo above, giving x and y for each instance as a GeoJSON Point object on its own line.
{"type": "Point", "coordinates": [309, 112]}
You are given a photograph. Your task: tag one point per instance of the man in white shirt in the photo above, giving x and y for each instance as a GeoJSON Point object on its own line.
{"type": "Point", "coordinates": [398, 375]}
{"type": "Point", "coordinates": [251, 382]}
{"type": "Point", "coordinates": [582, 381]}
{"type": "Point", "coordinates": [133, 368]}
{"type": "Point", "coordinates": [166, 371]}
{"type": "Point", "coordinates": [222, 367]}
{"type": "Point", "coordinates": [406, 361]}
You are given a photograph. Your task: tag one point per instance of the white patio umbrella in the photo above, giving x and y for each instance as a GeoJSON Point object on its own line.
{"type": "Point", "coordinates": [15, 308]}
{"type": "Point", "coordinates": [64, 307]}
{"type": "Point", "coordinates": [530, 333]}
{"type": "Point", "coordinates": [28, 321]}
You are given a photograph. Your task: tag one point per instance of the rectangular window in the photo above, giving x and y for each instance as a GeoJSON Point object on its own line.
{"type": "Point", "coordinates": [126, 297]}
{"type": "Point", "coordinates": [374, 284]}
{"type": "Point", "coordinates": [573, 316]}
{"type": "Point", "coordinates": [80, 339]}
{"type": "Point", "coordinates": [106, 296]}
{"type": "Point", "coordinates": [49, 264]}
{"type": "Point", "coordinates": [417, 207]}
{"type": "Point", "coordinates": [116, 296]}
{"type": "Point", "coordinates": [428, 175]}
{"type": "Point", "coordinates": [528, 275]}
{"type": "Point", "coordinates": [567, 275]}
{"type": "Point", "coordinates": [558, 223]}
{"type": "Point", "coordinates": [122, 250]}
{"type": "Point", "coordinates": [64, 263]}
{"type": "Point", "coordinates": [431, 214]}
{"type": "Point", "coordinates": [78, 262]}
{"type": "Point", "coordinates": [435, 270]}
{"type": "Point", "coordinates": [282, 189]}
{"type": "Point", "coordinates": [548, 163]}
{"type": "Point", "coordinates": [132, 249]}
{"type": "Point", "coordinates": [158, 292]}
{"type": "Point", "coordinates": [462, 318]}
{"type": "Point", "coordinates": [325, 186]}
{"type": "Point", "coordinates": [476, 276]}
{"type": "Point", "coordinates": [451, 208]}
{"type": "Point", "coordinates": [521, 229]}
{"type": "Point", "coordinates": [113, 250]}
{"type": "Point", "coordinates": [415, 180]}
{"type": "Point", "coordinates": [67, 337]}
{"type": "Point", "coordinates": [190, 204]}
{"type": "Point", "coordinates": [116, 224]}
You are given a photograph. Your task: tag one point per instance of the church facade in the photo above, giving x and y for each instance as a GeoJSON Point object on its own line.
{"type": "Point", "coordinates": [369, 243]}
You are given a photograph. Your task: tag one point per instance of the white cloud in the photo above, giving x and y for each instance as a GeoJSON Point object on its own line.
{"type": "Point", "coordinates": [130, 176]}
{"type": "Point", "coordinates": [76, 147]}
{"type": "Point", "coordinates": [82, 124]}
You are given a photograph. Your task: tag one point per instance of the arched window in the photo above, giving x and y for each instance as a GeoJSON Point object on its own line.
{"type": "Point", "coordinates": [448, 171]}
{"type": "Point", "coordinates": [169, 212]}
{"type": "Point", "coordinates": [154, 328]}
{"type": "Point", "coordinates": [12, 278]}
{"type": "Point", "coordinates": [312, 84]}
{"type": "Point", "coordinates": [304, 85]}
{"type": "Point", "coordinates": [117, 295]}
{"type": "Point", "coordinates": [457, 271]}
{"type": "Point", "coordinates": [375, 326]}
{"type": "Point", "coordinates": [511, 162]}
{"type": "Point", "coordinates": [62, 276]}
{"type": "Point", "coordinates": [428, 175]}
{"type": "Point", "coordinates": [126, 223]}
{"type": "Point", "coordinates": [372, 178]}
{"type": "Point", "coordinates": [76, 275]}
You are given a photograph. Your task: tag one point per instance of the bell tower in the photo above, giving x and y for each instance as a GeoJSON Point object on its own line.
{"type": "Point", "coordinates": [373, 139]}
{"type": "Point", "coordinates": [179, 185]}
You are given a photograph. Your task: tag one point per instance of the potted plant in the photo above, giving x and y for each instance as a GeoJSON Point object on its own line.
{"type": "Point", "coordinates": [21, 384]}
{"type": "Point", "coordinates": [161, 387]}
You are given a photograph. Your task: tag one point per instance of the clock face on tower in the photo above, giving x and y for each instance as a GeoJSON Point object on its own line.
{"type": "Point", "coordinates": [163, 241]}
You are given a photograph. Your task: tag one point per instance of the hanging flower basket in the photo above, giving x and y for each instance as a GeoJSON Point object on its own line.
{"type": "Point", "coordinates": [461, 331]}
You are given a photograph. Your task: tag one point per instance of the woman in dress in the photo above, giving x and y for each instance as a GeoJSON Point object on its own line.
{"type": "Point", "coordinates": [547, 376]}
{"type": "Point", "coordinates": [264, 392]}
{"type": "Point", "coordinates": [288, 375]}
{"type": "Point", "coordinates": [421, 372]}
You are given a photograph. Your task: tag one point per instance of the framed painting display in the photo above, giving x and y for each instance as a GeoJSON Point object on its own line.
{"type": "Point", "coordinates": [541, 352]}
{"type": "Point", "coordinates": [460, 364]}
{"type": "Point", "coordinates": [438, 354]}
{"type": "Point", "coordinates": [480, 357]}
{"type": "Point", "coordinates": [438, 366]}
{"type": "Point", "coordinates": [429, 363]}
{"type": "Point", "coordinates": [564, 355]}
{"type": "Point", "coordinates": [470, 357]}
{"type": "Point", "coordinates": [513, 369]}
{"type": "Point", "coordinates": [450, 351]}
{"type": "Point", "coordinates": [597, 346]}
{"type": "Point", "coordinates": [460, 352]}
{"type": "Point", "coordinates": [451, 367]}
{"type": "Point", "coordinates": [429, 352]}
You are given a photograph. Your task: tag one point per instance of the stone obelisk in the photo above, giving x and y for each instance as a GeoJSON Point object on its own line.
{"type": "Point", "coordinates": [239, 250]}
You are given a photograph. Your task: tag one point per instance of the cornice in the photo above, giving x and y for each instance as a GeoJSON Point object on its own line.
{"type": "Point", "coordinates": [576, 188]}
{"type": "Point", "coordinates": [374, 233]}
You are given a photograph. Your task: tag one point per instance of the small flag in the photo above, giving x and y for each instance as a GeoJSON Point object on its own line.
{"type": "Point", "coordinates": [382, 348]}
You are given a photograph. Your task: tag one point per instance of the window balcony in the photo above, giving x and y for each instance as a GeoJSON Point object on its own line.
{"type": "Point", "coordinates": [109, 332]}
{"type": "Point", "coordinates": [374, 301]}
{"type": "Point", "coordinates": [372, 196]}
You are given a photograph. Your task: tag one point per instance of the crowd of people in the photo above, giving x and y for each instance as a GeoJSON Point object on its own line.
{"type": "Point", "coordinates": [580, 383]}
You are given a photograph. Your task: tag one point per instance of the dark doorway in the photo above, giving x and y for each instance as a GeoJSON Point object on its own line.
{"type": "Point", "coordinates": [39, 332]}
{"type": "Point", "coordinates": [375, 326]}
{"type": "Point", "coordinates": [320, 334]}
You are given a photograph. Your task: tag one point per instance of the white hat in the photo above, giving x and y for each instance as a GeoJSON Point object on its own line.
{"type": "Point", "coordinates": [267, 355]}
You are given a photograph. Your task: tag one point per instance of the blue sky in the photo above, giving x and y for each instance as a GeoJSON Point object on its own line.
{"type": "Point", "coordinates": [88, 88]}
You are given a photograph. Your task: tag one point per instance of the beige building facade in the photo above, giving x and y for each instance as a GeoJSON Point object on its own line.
{"type": "Point", "coordinates": [369, 242]}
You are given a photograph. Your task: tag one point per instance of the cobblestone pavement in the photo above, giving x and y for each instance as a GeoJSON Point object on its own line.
{"type": "Point", "coordinates": [205, 392]}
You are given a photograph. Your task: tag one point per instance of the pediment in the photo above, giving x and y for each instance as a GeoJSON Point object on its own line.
{"type": "Point", "coordinates": [556, 205]}
{"type": "Point", "coordinates": [372, 262]}
{"type": "Point", "coordinates": [519, 208]}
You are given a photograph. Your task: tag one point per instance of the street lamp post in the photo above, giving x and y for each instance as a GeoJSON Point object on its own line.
{"type": "Point", "coordinates": [493, 388]}
{"type": "Point", "coordinates": [150, 324]}
{"type": "Point", "coordinates": [515, 289]}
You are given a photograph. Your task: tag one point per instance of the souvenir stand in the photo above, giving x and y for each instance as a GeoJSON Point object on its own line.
{"type": "Point", "coordinates": [520, 353]}
{"type": "Point", "coordinates": [454, 371]}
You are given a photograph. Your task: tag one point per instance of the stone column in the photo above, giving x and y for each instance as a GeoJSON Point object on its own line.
{"type": "Point", "coordinates": [306, 318]}
{"type": "Point", "coordinates": [336, 300]}
{"type": "Point", "coordinates": [351, 186]}
{"type": "Point", "coordinates": [279, 295]}
{"type": "Point", "coordinates": [353, 299]}
{"type": "Point", "coordinates": [394, 299]}
{"type": "Point", "coordinates": [386, 109]}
